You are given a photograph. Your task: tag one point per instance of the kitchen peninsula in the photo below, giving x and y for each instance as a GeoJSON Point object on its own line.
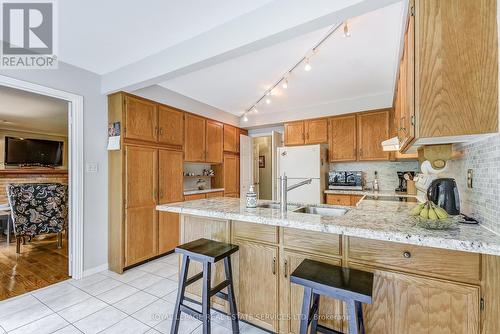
{"type": "Point", "coordinates": [445, 281]}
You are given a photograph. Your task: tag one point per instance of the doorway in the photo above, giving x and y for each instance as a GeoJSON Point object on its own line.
{"type": "Point", "coordinates": [70, 257]}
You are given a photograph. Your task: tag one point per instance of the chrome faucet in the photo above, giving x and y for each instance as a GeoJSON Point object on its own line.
{"type": "Point", "coordinates": [284, 189]}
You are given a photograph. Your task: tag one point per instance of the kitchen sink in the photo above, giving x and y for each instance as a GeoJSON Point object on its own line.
{"type": "Point", "coordinates": [315, 210]}
{"type": "Point", "coordinates": [277, 206]}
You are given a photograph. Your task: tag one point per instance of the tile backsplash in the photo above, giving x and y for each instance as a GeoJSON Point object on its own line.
{"type": "Point", "coordinates": [482, 201]}
{"type": "Point", "coordinates": [387, 171]}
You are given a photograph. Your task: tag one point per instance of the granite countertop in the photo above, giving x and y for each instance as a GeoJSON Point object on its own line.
{"type": "Point", "coordinates": [204, 191]}
{"type": "Point", "coordinates": [365, 192]}
{"type": "Point", "coordinates": [379, 220]}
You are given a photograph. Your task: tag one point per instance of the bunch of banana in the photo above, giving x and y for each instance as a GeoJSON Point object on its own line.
{"type": "Point", "coordinates": [429, 210]}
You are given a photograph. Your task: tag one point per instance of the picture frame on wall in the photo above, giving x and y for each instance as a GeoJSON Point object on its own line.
{"type": "Point", "coordinates": [262, 161]}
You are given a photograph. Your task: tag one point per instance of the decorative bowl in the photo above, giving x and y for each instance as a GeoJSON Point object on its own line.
{"type": "Point", "coordinates": [438, 224]}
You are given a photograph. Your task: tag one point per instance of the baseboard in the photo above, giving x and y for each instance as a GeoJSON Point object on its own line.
{"type": "Point", "coordinates": [95, 270]}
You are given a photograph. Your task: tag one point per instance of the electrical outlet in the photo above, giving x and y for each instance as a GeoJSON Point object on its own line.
{"type": "Point", "coordinates": [92, 167]}
{"type": "Point", "coordinates": [469, 178]}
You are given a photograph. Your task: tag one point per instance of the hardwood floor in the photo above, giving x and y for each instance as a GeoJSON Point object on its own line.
{"type": "Point", "coordinates": [40, 264]}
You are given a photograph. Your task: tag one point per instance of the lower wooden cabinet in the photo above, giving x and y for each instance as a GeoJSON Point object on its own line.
{"type": "Point", "coordinates": [215, 194]}
{"type": "Point", "coordinates": [331, 311]}
{"type": "Point", "coordinates": [193, 197]}
{"type": "Point", "coordinates": [342, 199]}
{"type": "Point", "coordinates": [257, 273]}
{"type": "Point", "coordinates": [168, 231]}
{"type": "Point", "coordinates": [141, 237]}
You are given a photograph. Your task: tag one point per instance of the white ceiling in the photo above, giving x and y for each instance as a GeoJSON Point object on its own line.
{"type": "Point", "coordinates": [345, 68]}
{"type": "Point", "coordinates": [25, 111]}
{"type": "Point", "coordinates": [102, 36]}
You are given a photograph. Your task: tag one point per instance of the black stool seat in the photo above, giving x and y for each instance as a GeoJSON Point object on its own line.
{"type": "Point", "coordinates": [352, 286]}
{"type": "Point", "coordinates": [207, 250]}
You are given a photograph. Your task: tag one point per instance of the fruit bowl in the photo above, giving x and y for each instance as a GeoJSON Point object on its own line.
{"type": "Point", "coordinates": [434, 224]}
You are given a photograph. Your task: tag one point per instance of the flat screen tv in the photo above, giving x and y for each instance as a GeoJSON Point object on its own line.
{"type": "Point", "coordinates": [33, 152]}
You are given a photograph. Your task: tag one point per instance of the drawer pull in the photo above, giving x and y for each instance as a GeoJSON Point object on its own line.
{"type": "Point", "coordinates": [406, 255]}
{"type": "Point", "coordinates": [274, 266]}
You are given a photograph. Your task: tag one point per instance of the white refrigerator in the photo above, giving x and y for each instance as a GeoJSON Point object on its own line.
{"type": "Point", "coordinates": [301, 163]}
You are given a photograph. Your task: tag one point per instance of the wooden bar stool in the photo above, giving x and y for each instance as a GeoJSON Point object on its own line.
{"type": "Point", "coordinates": [354, 287]}
{"type": "Point", "coordinates": [207, 252]}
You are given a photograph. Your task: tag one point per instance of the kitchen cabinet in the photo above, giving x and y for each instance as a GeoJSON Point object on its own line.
{"type": "Point", "coordinates": [194, 138]}
{"type": "Point", "coordinates": [141, 121]}
{"type": "Point", "coordinates": [170, 171]}
{"type": "Point", "coordinates": [256, 270]}
{"type": "Point", "coordinates": [343, 142]}
{"type": "Point", "coordinates": [331, 311]}
{"type": "Point", "coordinates": [215, 194]}
{"type": "Point", "coordinates": [294, 133]}
{"type": "Point", "coordinates": [193, 197]}
{"type": "Point", "coordinates": [171, 126]}
{"type": "Point", "coordinates": [311, 131]}
{"type": "Point", "coordinates": [141, 239]}
{"type": "Point", "coordinates": [450, 104]}
{"type": "Point", "coordinates": [168, 231]}
{"type": "Point", "coordinates": [231, 138]}
{"type": "Point", "coordinates": [342, 199]}
{"type": "Point", "coordinates": [231, 171]}
{"type": "Point", "coordinates": [214, 142]}
{"type": "Point", "coordinates": [373, 128]}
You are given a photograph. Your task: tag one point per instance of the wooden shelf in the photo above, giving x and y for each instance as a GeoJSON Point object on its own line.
{"type": "Point", "coordinates": [31, 171]}
{"type": "Point", "coordinates": [198, 176]}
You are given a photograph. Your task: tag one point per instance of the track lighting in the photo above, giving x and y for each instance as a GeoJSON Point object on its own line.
{"type": "Point", "coordinates": [285, 84]}
{"type": "Point", "coordinates": [307, 67]}
{"type": "Point", "coordinates": [347, 33]}
{"type": "Point", "coordinates": [268, 100]}
{"type": "Point", "coordinates": [245, 118]}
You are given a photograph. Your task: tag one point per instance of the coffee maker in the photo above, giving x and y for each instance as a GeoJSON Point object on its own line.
{"type": "Point", "coordinates": [402, 181]}
{"type": "Point", "coordinates": [444, 192]}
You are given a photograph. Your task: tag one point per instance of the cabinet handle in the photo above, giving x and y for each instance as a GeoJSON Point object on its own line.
{"type": "Point", "coordinates": [286, 268]}
{"type": "Point", "coordinates": [361, 152]}
{"type": "Point", "coordinates": [156, 130]}
{"type": "Point", "coordinates": [274, 266]}
{"type": "Point", "coordinates": [161, 130]}
{"type": "Point", "coordinates": [406, 254]}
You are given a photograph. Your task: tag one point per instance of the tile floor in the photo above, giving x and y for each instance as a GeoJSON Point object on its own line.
{"type": "Point", "coordinates": [139, 301]}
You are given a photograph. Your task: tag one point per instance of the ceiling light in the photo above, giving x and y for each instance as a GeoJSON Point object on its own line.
{"type": "Point", "coordinates": [285, 84]}
{"type": "Point", "coordinates": [268, 101]}
{"type": "Point", "coordinates": [245, 118]}
{"type": "Point", "coordinates": [255, 110]}
{"type": "Point", "coordinates": [307, 67]}
{"type": "Point", "coordinates": [346, 30]}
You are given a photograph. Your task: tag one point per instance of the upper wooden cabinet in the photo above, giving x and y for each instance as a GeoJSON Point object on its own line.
{"type": "Point", "coordinates": [373, 128]}
{"type": "Point", "coordinates": [195, 138]}
{"type": "Point", "coordinates": [141, 120]}
{"type": "Point", "coordinates": [454, 76]}
{"type": "Point", "coordinates": [342, 144]}
{"type": "Point", "coordinates": [311, 131]}
{"type": "Point", "coordinates": [214, 142]}
{"type": "Point", "coordinates": [231, 138]}
{"type": "Point", "coordinates": [170, 126]}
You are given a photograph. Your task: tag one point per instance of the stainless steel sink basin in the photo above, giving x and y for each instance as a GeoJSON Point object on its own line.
{"type": "Point", "coordinates": [277, 206]}
{"type": "Point", "coordinates": [333, 212]}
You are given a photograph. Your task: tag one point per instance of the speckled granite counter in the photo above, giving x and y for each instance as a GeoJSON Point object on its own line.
{"type": "Point", "coordinates": [380, 220]}
{"type": "Point", "coordinates": [365, 192]}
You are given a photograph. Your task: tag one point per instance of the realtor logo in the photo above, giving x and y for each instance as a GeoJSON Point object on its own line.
{"type": "Point", "coordinates": [28, 36]}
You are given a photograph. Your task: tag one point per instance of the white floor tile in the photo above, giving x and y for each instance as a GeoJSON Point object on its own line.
{"type": "Point", "coordinates": [83, 309]}
{"type": "Point", "coordinates": [117, 294]}
{"type": "Point", "coordinates": [174, 277]}
{"type": "Point", "coordinates": [173, 259]}
{"type": "Point", "coordinates": [135, 302]}
{"type": "Point", "coordinates": [100, 320]}
{"type": "Point", "coordinates": [155, 313]}
{"type": "Point", "coordinates": [214, 329]}
{"type": "Point", "coordinates": [53, 291]}
{"type": "Point", "coordinates": [145, 281]}
{"type": "Point", "coordinates": [59, 302]}
{"type": "Point", "coordinates": [2, 331]}
{"type": "Point", "coordinates": [22, 317]}
{"type": "Point", "coordinates": [101, 286]}
{"type": "Point", "coordinates": [127, 326]}
{"type": "Point", "coordinates": [160, 267]}
{"type": "Point", "coordinates": [46, 325]}
{"type": "Point", "coordinates": [162, 287]}
{"type": "Point", "coordinates": [166, 270]}
{"type": "Point", "coordinates": [127, 276]}
{"type": "Point", "coordinates": [225, 321]}
{"type": "Point", "coordinates": [17, 304]}
{"type": "Point", "coordinates": [152, 331]}
{"type": "Point", "coordinates": [89, 280]}
{"type": "Point", "coordinates": [171, 297]}
{"type": "Point", "coordinates": [68, 330]}
{"type": "Point", "coordinates": [186, 325]}
{"type": "Point", "coordinates": [253, 330]}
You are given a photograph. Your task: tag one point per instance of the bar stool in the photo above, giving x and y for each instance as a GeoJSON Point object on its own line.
{"type": "Point", "coordinates": [354, 287]}
{"type": "Point", "coordinates": [207, 252]}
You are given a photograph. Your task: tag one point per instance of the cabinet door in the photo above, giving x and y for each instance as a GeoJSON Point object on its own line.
{"type": "Point", "coordinates": [405, 304]}
{"type": "Point", "coordinates": [140, 119]}
{"type": "Point", "coordinates": [214, 142]}
{"type": "Point", "coordinates": [257, 291]}
{"type": "Point", "coordinates": [171, 126]}
{"type": "Point", "coordinates": [215, 194]}
{"type": "Point", "coordinates": [194, 197]}
{"type": "Point", "coordinates": [231, 174]}
{"type": "Point", "coordinates": [316, 131]}
{"type": "Point", "coordinates": [331, 311]}
{"type": "Point", "coordinates": [170, 179]}
{"type": "Point", "coordinates": [231, 137]}
{"type": "Point", "coordinates": [406, 129]}
{"type": "Point", "coordinates": [194, 143]}
{"type": "Point", "coordinates": [338, 199]}
{"type": "Point", "coordinates": [168, 231]}
{"type": "Point", "coordinates": [294, 133]}
{"type": "Point", "coordinates": [373, 128]}
{"type": "Point", "coordinates": [342, 145]}
{"type": "Point", "coordinates": [140, 205]}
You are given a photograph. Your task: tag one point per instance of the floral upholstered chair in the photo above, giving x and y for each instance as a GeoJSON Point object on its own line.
{"type": "Point", "coordinates": [38, 208]}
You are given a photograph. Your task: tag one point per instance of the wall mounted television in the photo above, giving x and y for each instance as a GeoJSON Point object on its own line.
{"type": "Point", "coordinates": [33, 152]}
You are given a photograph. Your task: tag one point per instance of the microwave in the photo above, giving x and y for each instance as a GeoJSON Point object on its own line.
{"type": "Point", "coordinates": [345, 180]}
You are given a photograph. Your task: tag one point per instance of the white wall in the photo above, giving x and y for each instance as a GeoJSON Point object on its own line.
{"type": "Point", "coordinates": [87, 84]}
{"type": "Point", "coordinates": [166, 96]}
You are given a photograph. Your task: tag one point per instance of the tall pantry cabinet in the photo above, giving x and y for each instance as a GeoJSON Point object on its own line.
{"type": "Point", "coordinates": [144, 172]}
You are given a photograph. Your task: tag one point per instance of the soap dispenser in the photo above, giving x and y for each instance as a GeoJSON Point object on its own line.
{"type": "Point", "coordinates": [251, 198]}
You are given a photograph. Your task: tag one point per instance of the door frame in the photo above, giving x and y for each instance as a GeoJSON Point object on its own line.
{"type": "Point", "coordinates": [75, 166]}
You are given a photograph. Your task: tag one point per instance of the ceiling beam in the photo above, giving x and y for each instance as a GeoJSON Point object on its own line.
{"type": "Point", "coordinates": [273, 23]}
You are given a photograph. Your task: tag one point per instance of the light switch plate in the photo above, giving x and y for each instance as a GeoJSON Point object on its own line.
{"type": "Point", "coordinates": [469, 178]}
{"type": "Point", "coordinates": [91, 167]}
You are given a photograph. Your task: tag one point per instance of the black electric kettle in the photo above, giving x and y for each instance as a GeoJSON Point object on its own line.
{"type": "Point", "coordinates": [444, 192]}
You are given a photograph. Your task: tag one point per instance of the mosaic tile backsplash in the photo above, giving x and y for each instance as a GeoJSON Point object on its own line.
{"type": "Point", "coordinates": [387, 171]}
{"type": "Point", "coordinates": [482, 201]}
